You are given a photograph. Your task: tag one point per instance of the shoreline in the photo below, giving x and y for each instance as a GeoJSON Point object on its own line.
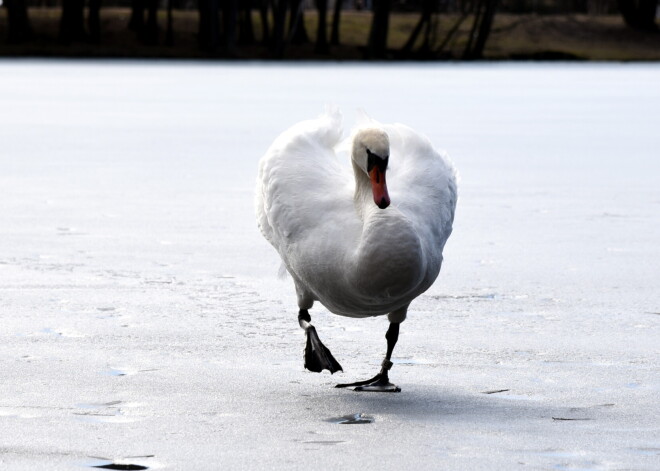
{"type": "Point", "coordinates": [515, 37]}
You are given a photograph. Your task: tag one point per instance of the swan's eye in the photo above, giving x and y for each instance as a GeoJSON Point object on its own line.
{"type": "Point", "coordinates": [374, 160]}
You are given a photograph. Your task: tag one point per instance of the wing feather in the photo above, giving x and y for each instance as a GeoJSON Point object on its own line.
{"type": "Point", "coordinates": [422, 183]}
{"type": "Point", "coordinates": [303, 188]}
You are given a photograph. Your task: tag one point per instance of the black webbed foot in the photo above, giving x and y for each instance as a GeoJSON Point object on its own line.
{"type": "Point", "coordinates": [379, 383]}
{"type": "Point", "coordinates": [317, 355]}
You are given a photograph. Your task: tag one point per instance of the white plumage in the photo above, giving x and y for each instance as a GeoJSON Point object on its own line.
{"type": "Point", "coordinates": [335, 241]}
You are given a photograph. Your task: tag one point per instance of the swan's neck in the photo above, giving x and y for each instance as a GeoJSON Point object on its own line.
{"type": "Point", "coordinates": [363, 197]}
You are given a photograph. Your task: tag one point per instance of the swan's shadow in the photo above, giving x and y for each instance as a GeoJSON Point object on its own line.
{"type": "Point", "coordinates": [420, 402]}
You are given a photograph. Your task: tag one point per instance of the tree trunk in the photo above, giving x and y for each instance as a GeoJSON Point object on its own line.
{"type": "Point", "coordinates": [639, 14]}
{"type": "Point", "coordinates": [136, 23]}
{"type": "Point", "coordinates": [297, 30]}
{"type": "Point", "coordinates": [72, 21]}
{"type": "Point", "coordinates": [169, 34]}
{"type": "Point", "coordinates": [151, 31]}
{"type": "Point", "coordinates": [336, 17]}
{"type": "Point", "coordinates": [208, 25]}
{"type": "Point", "coordinates": [452, 32]}
{"type": "Point", "coordinates": [277, 42]}
{"type": "Point", "coordinates": [478, 13]}
{"type": "Point", "coordinates": [430, 36]}
{"type": "Point", "coordinates": [484, 29]}
{"type": "Point", "coordinates": [246, 29]}
{"type": "Point", "coordinates": [265, 30]}
{"type": "Point", "coordinates": [18, 21]}
{"type": "Point", "coordinates": [321, 46]}
{"type": "Point", "coordinates": [377, 47]}
{"type": "Point", "coordinates": [428, 7]}
{"type": "Point", "coordinates": [94, 21]}
{"type": "Point", "coordinates": [229, 18]}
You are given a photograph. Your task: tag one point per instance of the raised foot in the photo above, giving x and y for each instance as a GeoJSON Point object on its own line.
{"type": "Point", "coordinates": [379, 383]}
{"type": "Point", "coordinates": [317, 355]}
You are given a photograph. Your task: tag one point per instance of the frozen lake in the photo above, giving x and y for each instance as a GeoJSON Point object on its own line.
{"type": "Point", "coordinates": [142, 321]}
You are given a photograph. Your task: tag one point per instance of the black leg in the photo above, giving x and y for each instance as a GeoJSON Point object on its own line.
{"type": "Point", "coordinates": [303, 316]}
{"type": "Point", "coordinates": [392, 337]}
{"type": "Point", "coordinates": [380, 382]}
{"type": "Point", "coordinates": [317, 356]}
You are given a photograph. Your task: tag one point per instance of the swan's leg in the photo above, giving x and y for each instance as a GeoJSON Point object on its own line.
{"type": "Point", "coordinates": [381, 382]}
{"type": "Point", "coordinates": [317, 355]}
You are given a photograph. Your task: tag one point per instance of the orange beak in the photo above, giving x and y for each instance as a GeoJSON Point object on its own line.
{"type": "Point", "coordinates": [379, 187]}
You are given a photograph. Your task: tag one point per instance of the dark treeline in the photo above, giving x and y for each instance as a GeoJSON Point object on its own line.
{"type": "Point", "coordinates": [227, 25]}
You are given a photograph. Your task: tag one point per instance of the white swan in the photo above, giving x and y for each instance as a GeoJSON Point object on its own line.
{"type": "Point", "coordinates": [340, 239]}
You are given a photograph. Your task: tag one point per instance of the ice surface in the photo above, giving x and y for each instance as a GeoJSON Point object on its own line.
{"type": "Point", "coordinates": [143, 322]}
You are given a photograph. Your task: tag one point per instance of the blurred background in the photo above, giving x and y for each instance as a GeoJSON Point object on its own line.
{"type": "Point", "coordinates": [333, 29]}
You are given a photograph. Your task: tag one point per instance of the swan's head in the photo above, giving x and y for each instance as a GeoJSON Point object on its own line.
{"type": "Point", "coordinates": [371, 152]}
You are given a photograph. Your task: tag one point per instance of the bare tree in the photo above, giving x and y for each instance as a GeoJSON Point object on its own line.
{"type": "Point", "coordinates": [94, 21]}
{"type": "Point", "coordinates": [152, 30]}
{"type": "Point", "coordinates": [229, 20]}
{"type": "Point", "coordinates": [245, 27]}
{"type": "Point", "coordinates": [265, 29]}
{"type": "Point", "coordinates": [377, 47]}
{"type": "Point", "coordinates": [639, 14]}
{"type": "Point", "coordinates": [72, 21]}
{"type": "Point", "coordinates": [136, 23]}
{"type": "Point", "coordinates": [425, 22]}
{"type": "Point", "coordinates": [297, 30]}
{"type": "Point", "coordinates": [278, 43]}
{"type": "Point", "coordinates": [209, 27]}
{"type": "Point", "coordinates": [169, 32]}
{"type": "Point", "coordinates": [147, 31]}
{"type": "Point", "coordinates": [465, 12]}
{"type": "Point", "coordinates": [321, 46]}
{"type": "Point", "coordinates": [483, 21]}
{"type": "Point", "coordinates": [336, 17]}
{"type": "Point", "coordinates": [18, 21]}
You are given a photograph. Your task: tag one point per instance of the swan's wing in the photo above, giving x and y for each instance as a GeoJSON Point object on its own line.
{"type": "Point", "coordinates": [422, 182]}
{"type": "Point", "coordinates": [302, 190]}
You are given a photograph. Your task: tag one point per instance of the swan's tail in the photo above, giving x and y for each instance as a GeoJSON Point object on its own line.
{"type": "Point", "coordinates": [331, 123]}
{"type": "Point", "coordinates": [363, 120]}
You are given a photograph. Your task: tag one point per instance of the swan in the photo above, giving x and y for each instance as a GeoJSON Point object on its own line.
{"type": "Point", "coordinates": [359, 244]}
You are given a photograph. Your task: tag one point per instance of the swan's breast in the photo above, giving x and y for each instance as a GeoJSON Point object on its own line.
{"type": "Point", "coordinates": [391, 260]}
{"type": "Point", "coordinates": [387, 270]}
